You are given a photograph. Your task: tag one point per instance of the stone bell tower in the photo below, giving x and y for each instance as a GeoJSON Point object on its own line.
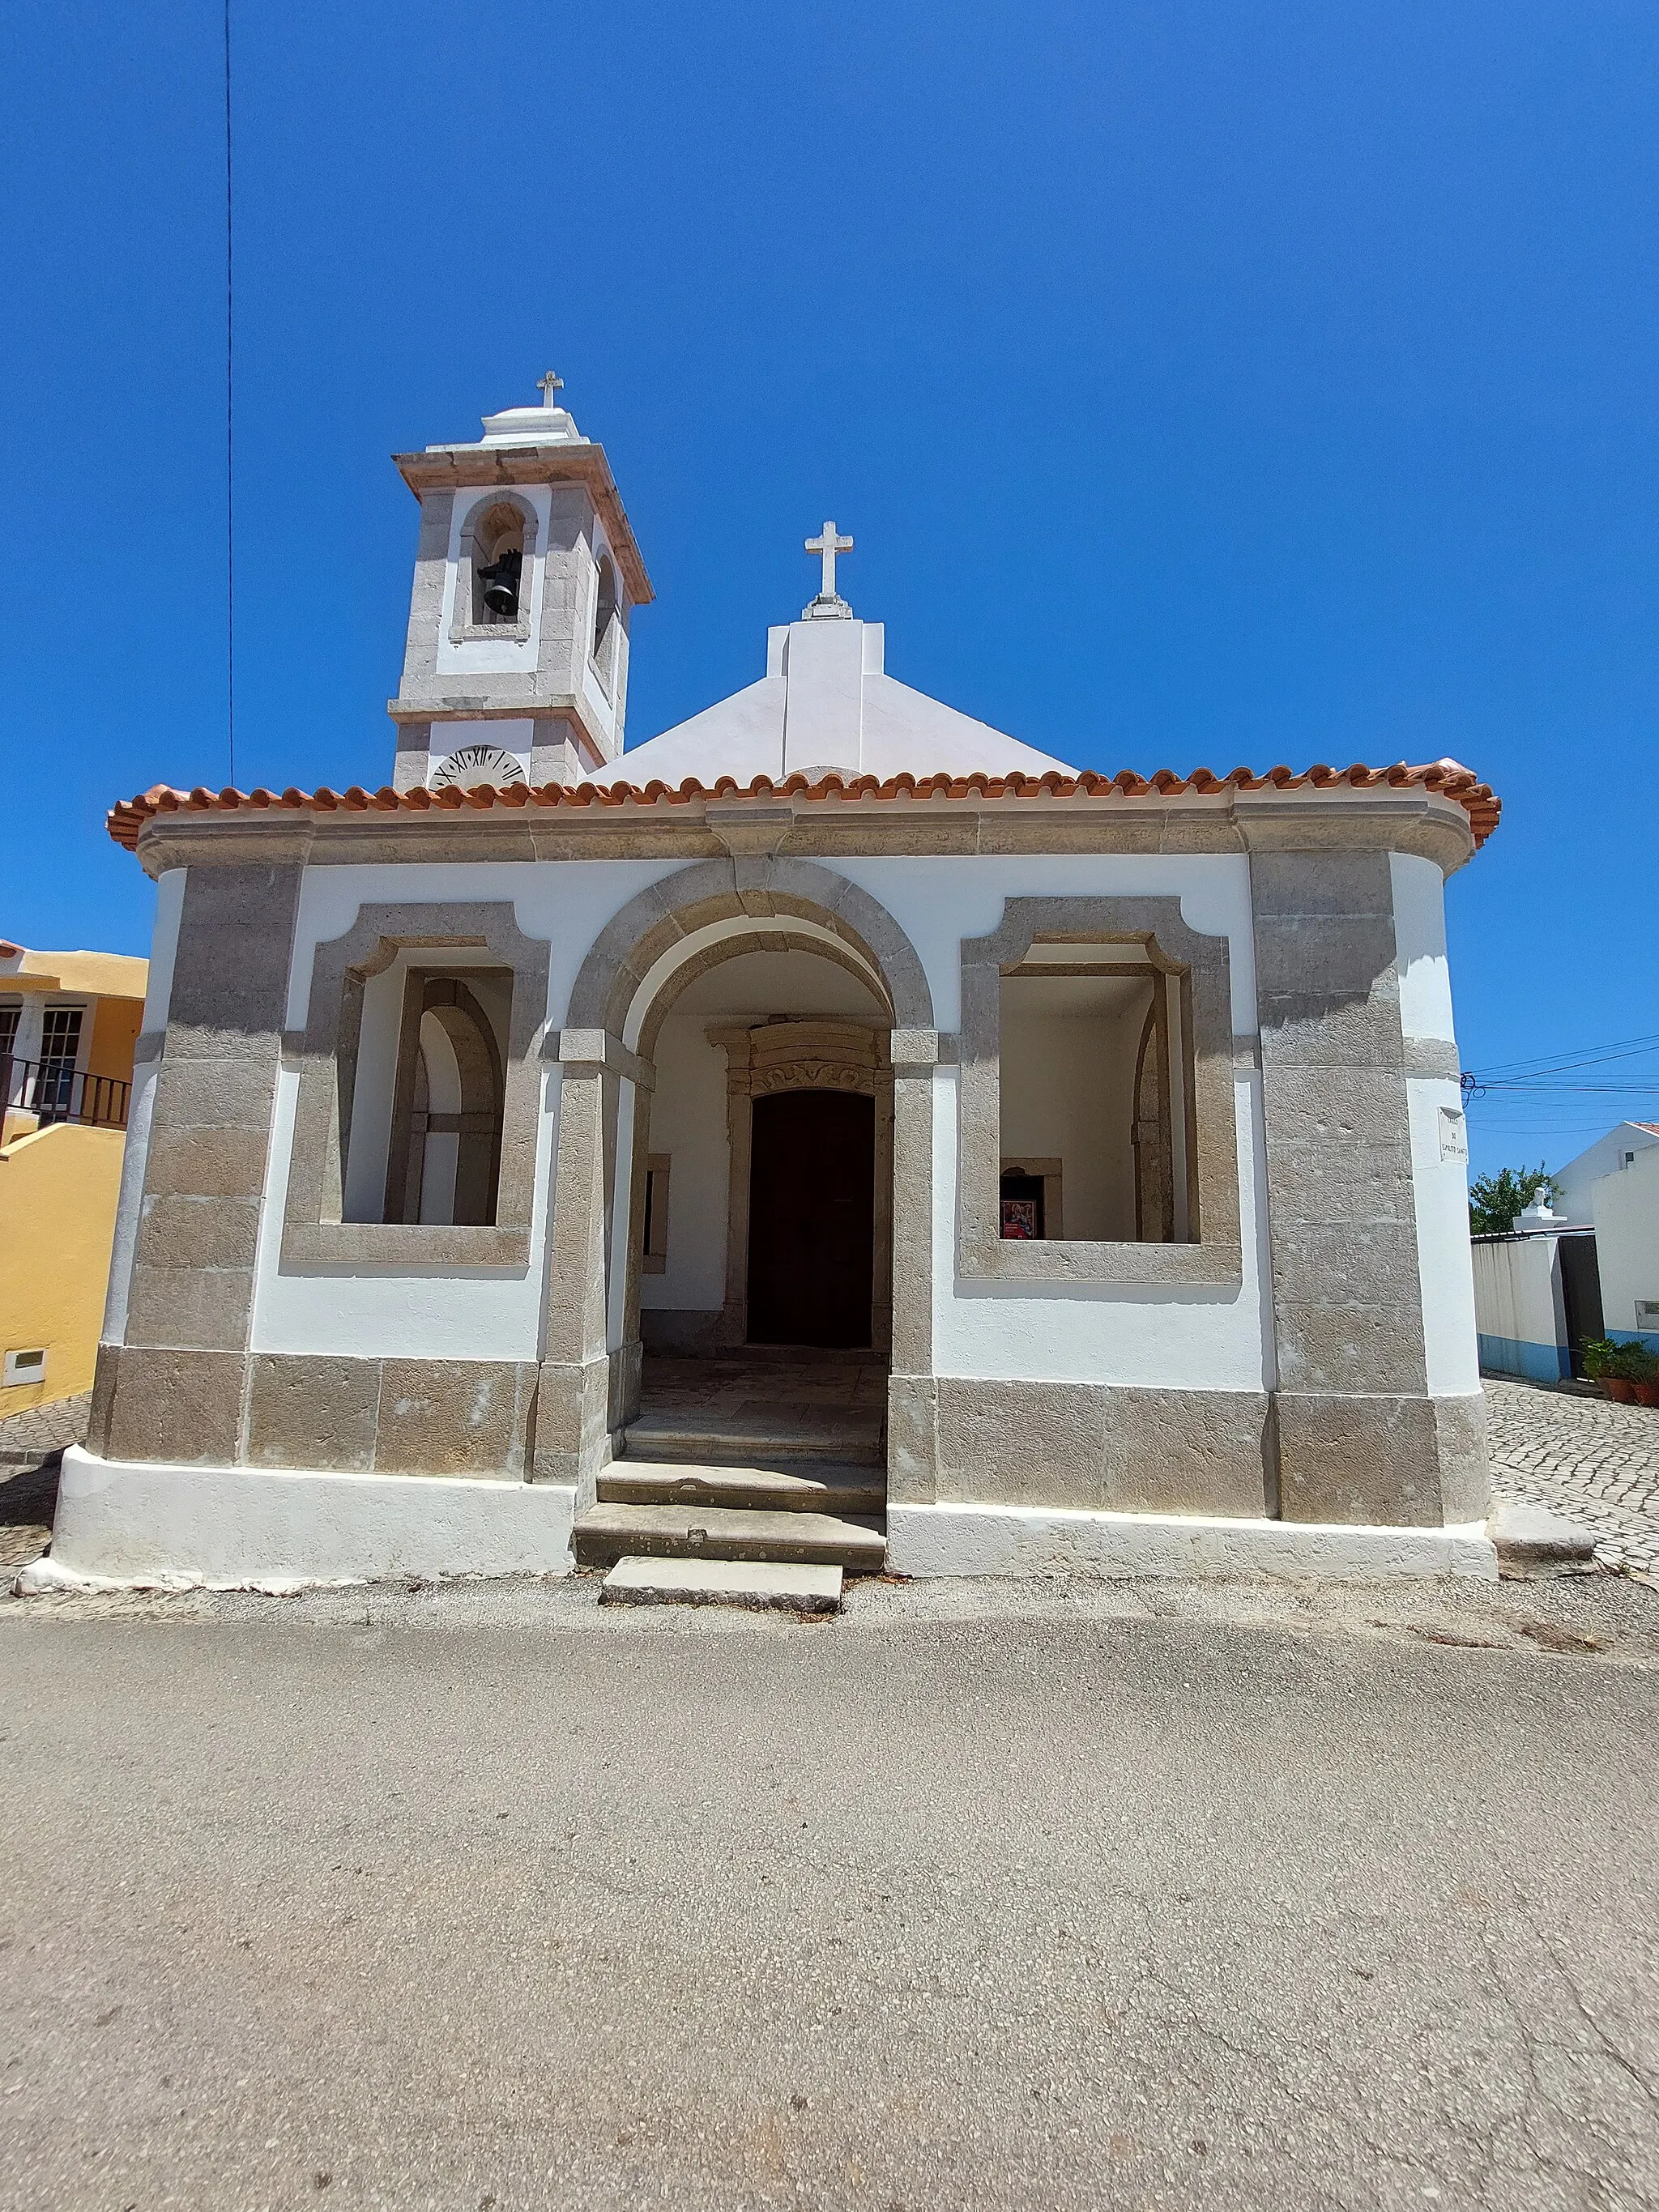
{"type": "Point", "coordinates": [516, 664]}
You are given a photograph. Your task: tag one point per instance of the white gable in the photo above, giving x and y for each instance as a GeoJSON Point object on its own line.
{"type": "Point", "coordinates": [826, 702]}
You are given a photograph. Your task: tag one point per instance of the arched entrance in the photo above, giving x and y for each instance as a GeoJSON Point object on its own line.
{"type": "Point", "coordinates": [723, 1000]}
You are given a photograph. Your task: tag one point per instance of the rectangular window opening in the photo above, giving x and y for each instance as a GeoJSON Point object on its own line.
{"type": "Point", "coordinates": [1094, 1084]}
{"type": "Point", "coordinates": [428, 1096]}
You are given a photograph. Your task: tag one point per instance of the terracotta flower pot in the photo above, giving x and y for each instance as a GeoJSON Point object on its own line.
{"type": "Point", "coordinates": [1617, 1388]}
{"type": "Point", "coordinates": [1647, 1393]}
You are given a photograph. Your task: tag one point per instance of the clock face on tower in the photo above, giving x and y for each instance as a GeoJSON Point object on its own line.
{"type": "Point", "coordinates": [476, 764]}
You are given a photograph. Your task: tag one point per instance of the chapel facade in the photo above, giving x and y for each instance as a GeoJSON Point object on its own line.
{"type": "Point", "coordinates": [831, 1111]}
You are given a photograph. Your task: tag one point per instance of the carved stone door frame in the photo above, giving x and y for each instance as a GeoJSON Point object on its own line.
{"type": "Point", "coordinates": [767, 1056]}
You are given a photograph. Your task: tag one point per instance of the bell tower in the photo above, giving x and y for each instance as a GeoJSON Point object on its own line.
{"type": "Point", "coordinates": [515, 669]}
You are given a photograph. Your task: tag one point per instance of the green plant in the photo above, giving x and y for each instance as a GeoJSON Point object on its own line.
{"type": "Point", "coordinates": [1626, 1363]}
{"type": "Point", "coordinates": [1496, 1200]}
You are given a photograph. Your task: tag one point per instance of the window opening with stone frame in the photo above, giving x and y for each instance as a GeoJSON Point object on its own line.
{"type": "Point", "coordinates": [1096, 1046]}
{"type": "Point", "coordinates": [444, 1102]}
{"type": "Point", "coordinates": [10, 1074]}
{"type": "Point", "coordinates": [444, 1161]}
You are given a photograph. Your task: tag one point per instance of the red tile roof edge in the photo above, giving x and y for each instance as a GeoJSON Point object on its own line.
{"type": "Point", "coordinates": [1448, 777]}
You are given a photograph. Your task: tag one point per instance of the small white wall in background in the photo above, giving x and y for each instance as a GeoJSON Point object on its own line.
{"type": "Point", "coordinates": [1520, 1314]}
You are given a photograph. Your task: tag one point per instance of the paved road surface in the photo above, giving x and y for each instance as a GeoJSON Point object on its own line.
{"type": "Point", "coordinates": [980, 1898]}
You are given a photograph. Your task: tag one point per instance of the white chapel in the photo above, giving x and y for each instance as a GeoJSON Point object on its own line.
{"type": "Point", "coordinates": [827, 1137]}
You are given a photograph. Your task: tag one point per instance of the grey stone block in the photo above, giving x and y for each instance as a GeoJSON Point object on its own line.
{"type": "Point", "coordinates": [1321, 883]}
{"type": "Point", "coordinates": [204, 1162]}
{"type": "Point", "coordinates": [1357, 1460]}
{"type": "Point", "coordinates": [466, 1417]}
{"type": "Point", "coordinates": [758, 1584]}
{"type": "Point", "coordinates": [312, 1412]}
{"type": "Point", "coordinates": [183, 1406]}
{"type": "Point", "coordinates": [191, 1308]}
{"type": "Point", "coordinates": [197, 1232]}
{"type": "Point", "coordinates": [1341, 955]}
{"type": "Point", "coordinates": [1324, 1345]}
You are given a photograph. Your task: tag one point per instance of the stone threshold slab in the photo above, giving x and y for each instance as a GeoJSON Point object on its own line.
{"type": "Point", "coordinates": [607, 1533]}
{"type": "Point", "coordinates": [829, 1487]}
{"type": "Point", "coordinates": [761, 1585]}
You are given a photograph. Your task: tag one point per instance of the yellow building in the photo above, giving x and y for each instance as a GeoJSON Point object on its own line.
{"type": "Point", "coordinates": [67, 1022]}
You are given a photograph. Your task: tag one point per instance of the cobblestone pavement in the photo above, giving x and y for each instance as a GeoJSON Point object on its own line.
{"type": "Point", "coordinates": [29, 1447]}
{"type": "Point", "coordinates": [1585, 1458]}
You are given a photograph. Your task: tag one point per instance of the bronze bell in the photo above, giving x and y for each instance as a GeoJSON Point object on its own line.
{"type": "Point", "coordinates": [501, 583]}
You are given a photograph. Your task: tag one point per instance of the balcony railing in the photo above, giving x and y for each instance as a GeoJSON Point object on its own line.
{"type": "Point", "coordinates": [56, 1091]}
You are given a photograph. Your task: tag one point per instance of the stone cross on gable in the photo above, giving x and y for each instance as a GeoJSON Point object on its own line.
{"type": "Point", "coordinates": [547, 386]}
{"type": "Point", "coordinates": [828, 544]}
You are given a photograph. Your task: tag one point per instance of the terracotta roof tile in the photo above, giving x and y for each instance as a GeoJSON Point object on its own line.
{"type": "Point", "coordinates": [1448, 777]}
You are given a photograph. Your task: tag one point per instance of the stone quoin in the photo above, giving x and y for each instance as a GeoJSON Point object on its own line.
{"type": "Point", "coordinates": [831, 1108]}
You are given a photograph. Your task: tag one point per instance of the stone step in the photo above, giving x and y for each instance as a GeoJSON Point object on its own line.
{"type": "Point", "coordinates": [762, 1585]}
{"type": "Point", "coordinates": [607, 1533]}
{"type": "Point", "coordinates": [757, 1438]}
{"type": "Point", "coordinates": [809, 1486]}
{"type": "Point", "coordinates": [1531, 1540]}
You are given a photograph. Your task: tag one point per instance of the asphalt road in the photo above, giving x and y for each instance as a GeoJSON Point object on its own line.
{"type": "Point", "coordinates": [499, 1902]}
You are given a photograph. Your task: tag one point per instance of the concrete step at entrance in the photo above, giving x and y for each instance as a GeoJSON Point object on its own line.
{"type": "Point", "coordinates": [757, 1436]}
{"type": "Point", "coordinates": [808, 1487]}
{"type": "Point", "coordinates": [607, 1533]}
{"type": "Point", "coordinates": [761, 1585]}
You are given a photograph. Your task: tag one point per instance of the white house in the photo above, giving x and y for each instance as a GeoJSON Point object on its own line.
{"type": "Point", "coordinates": [1620, 1148]}
{"type": "Point", "coordinates": [832, 1131]}
{"type": "Point", "coordinates": [1625, 1208]}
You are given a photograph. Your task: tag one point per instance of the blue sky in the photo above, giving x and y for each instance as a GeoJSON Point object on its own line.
{"type": "Point", "coordinates": [1249, 382]}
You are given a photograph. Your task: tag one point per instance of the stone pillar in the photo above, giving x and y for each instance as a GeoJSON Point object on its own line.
{"type": "Point", "coordinates": [573, 1429]}
{"type": "Point", "coordinates": [912, 1389]}
{"type": "Point", "coordinates": [1359, 1439]}
{"type": "Point", "coordinates": [175, 1388]}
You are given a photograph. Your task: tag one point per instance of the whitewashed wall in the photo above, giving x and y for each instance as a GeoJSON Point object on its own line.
{"type": "Point", "coordinates": [1626, 1208]}
{"type": "Point", "coordinates": [1522, 1317]}
{"type": "Point", "coordinates": [1440, 1165]}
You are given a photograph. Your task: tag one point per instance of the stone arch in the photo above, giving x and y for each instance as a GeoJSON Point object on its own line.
{"type": "Point", "coordinates": [619, 966]}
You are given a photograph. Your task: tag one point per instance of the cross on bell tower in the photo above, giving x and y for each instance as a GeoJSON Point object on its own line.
{"type": "Point", "coordinates": [829, 605]}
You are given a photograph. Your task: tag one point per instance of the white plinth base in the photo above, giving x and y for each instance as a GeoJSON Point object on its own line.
{"type": "Point", "coordinates": [128, 1524]}
{"type": "Point", "coordinates": [1020, 1540]}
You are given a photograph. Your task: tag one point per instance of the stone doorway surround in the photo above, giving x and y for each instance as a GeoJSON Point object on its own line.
{"type": "Point", "coordinates": [652, 947]}
{"type": "Point", "coordinates": [766, 1057]}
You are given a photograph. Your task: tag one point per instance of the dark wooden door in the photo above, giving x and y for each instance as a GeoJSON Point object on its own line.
{"type": "Point", "coordinates": [811, 1217]}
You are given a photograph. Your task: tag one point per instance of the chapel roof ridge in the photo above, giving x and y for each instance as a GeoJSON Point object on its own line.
{"type": "Point", "coordinates": [1448, 778]}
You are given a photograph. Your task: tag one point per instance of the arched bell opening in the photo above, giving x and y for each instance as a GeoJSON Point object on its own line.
{"type": "Point", "coordinates": [499, 540]}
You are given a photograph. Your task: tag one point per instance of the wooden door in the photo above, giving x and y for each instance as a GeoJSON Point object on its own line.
{"type": "Point", "coordinates": [811, 1217]}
